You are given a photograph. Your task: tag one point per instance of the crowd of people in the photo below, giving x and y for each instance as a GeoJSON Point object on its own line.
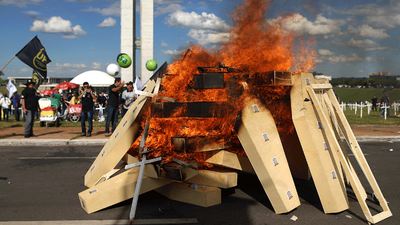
{"type": "Point", "coordinates": [116, 102]}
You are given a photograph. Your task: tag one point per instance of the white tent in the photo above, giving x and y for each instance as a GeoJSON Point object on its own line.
{"type": "Point", "coordinates": [95, 78]}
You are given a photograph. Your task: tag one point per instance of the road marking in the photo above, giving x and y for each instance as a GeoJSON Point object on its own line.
{"type": "Point", "coordinates": [103, 222]}
{"type": "Point", "coordinates": [56, 157]}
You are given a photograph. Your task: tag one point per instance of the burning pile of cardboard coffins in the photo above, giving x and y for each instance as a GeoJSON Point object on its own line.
{"type": "Point", "coordinates": [189, 150]}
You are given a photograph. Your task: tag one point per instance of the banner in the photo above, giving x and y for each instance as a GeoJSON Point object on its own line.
{"type": "Point", "coordinates": [35, 56]}
{"type": "Point", "coordinates": [37, 78]}
{"type": "Point", "coordinates": [138, 86]}
{"type": "Point", "coordinates": [11, 88]}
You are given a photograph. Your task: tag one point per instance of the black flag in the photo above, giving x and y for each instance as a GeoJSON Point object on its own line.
{"type": "Point", "coordinates": [35, 56]}
{"type": "Point", "coordinates": [37, 78]}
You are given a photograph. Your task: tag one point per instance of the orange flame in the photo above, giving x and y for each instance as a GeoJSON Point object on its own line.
{"type": "Point", "coordinates": [255, 45]}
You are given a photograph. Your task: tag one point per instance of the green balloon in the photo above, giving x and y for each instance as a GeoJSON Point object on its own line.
{"type": "Point", "coordinates": [151, 65]}
{"type": "Point", "coordinates": [124, 60]}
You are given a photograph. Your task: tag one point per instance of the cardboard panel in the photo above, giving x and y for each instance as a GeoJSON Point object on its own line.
{"type": "Point", "coordinates": [118, 143]}
{"type": "Point", "coordinates": [221, 178]}
{"type": "Point", "coordinates": [331, 191]}
{"type": "Point", "coordinates": [231, 160]}
{"type": "Point", "coordinates": [260, 139]}
{"type": "Point", "coordinates": [116, 189]}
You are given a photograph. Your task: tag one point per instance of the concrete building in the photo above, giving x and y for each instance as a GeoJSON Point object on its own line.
{"type": "Point", "coordinates": [129, 42]}
{"type": "Point", "coordinates": [48, 80]}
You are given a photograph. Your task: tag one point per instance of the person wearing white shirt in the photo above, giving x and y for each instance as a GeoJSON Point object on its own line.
{"type": "Point", "coordinates": [128, 96]}
{"type": "Point", "coordinates": [5, 102]}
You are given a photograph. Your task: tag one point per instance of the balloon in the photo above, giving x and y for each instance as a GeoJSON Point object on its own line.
{"type": "Point", "coordinates": [151, 65]}
{"type": "Point", "coordinates": [124, 60]}
{"type": "Point", "coordinates": [113, 69]}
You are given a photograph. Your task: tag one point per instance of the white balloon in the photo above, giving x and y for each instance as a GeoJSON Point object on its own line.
{"type": "Point", "coordinates": [113, 69]}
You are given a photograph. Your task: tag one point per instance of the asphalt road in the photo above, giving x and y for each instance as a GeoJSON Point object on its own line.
{"type": "Point", "coordinates": [39, 189]}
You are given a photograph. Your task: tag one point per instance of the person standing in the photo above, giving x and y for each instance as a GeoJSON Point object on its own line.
{"type": "Point", "coordinates": [128, 97]}
{"type": "Point", "coordinates": [1, 99]}
{"type": "Point", "coordinates": [102, 100]}
{"type": "Point", "coordinates": [112, 105]}
{"type": "Point", "coordinates": [87, 98]}
{"type": "Point", "coordinates": [16, 104]}
{"type": "Point", "coordinates": [374, 103]}
{"type": "Point", "coordinates": [30, 106]}
{"type": "Point", "coordinates": [386, 102]}
{"type": "Point", "coordinates": [5, 102]}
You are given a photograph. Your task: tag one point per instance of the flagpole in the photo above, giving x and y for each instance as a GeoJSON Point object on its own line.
{"type": "Point", "coordinates": [7, 63]}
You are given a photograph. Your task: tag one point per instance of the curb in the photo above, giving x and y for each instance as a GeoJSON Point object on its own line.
{"type": "Point", "coordinates": [80, 142]}
{"type": "Point", "coordinates": [51, 142]}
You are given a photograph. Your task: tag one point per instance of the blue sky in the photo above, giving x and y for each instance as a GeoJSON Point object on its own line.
{"type": "Point", "coordinates": [353, 38]}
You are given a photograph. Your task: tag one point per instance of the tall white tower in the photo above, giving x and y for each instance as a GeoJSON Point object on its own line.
{"type": "Point", "coordinates": [129, 44]}
{"type": "Point", "coordinates": [128, 37]}
{"type": "Point", "coordinates": [146, 37]}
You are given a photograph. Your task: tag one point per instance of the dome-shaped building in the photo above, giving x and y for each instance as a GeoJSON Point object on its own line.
{"type": "Point", "coordinates": [99, 80]}
{"type": "Point", "coordinates": [95, 78]}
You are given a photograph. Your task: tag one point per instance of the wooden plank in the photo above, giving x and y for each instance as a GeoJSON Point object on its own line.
{"type": "Point", "coordinates": [181, 192]}
{"type": "Point", "coordinates": [332, 193]}
{"type": "Point", "coordinates": [231, 160]}
{"type": "Point", "coordinates": [216, 177]}
{"type": "Point", "coordinates": [208, 81]}
{"type": "Point", "coordinates": [191, 109]}
{"type": "Point", "coordinates": [177, 172]}
{"type": "Point", "coordinates": [321, 86]}
{"type": "Point", "coordinates": [118, 143]}
{"type": "Point", "coordinates": [198, 144]}
{"type": "Point", "coordinates": [260, 139]}
{"type": "Point", "coordinates": [356, 150]}
{"type": "Point", "coordinates": [116, 189]}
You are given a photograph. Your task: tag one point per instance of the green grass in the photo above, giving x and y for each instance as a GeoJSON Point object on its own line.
{"type": "Point", "coordinates": [12, 123]}
{"type": "Point", "coordinates": [364, 94]}
{"type": "Point", "coordinates": [372, 119]}
{"type": "Point", "coordinates": [3, 89]}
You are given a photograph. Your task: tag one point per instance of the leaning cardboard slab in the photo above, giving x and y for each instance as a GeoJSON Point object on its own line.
{"type": "Point", "coordinates": [260, 139]}
{"type": "Point", "coordinates": [231, 160]}
{"type": "Point", "coordinates": [216, 177]}
{"type": "Point", "coordinates": [119, 142]}
{"type": "Point", "coordinates": [351, 175]}
{"type": "Point", "coordinates": [331, 191]}
{"type": "Point", "coordinates": [116, 189]}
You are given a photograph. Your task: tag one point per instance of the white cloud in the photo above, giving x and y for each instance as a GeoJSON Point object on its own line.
{"type": "Point", "coordinates": [171, 52]}
{"type": "Point", "coordinates": [19, 3]}
{"type": "Point", "coordinates": [325, 52]}
{"type": "Point", "coordinates": [70, 65]}
{"type": "Point", "coordinates": [342, 58]}
{"type": "Point", "coordinates": [31, 13]}
{"type": "Point", "coordinates": [159, 10]}
{"type": "Point", "coordinates": [384, 21]}
{"type": "Point", "coordinates": [108, 22]}
{"type": "Point", "coordinates": [163, 44]}
{"type": "Point", "coordinates": [321, 25]}
{"type": "Point", "coordinates": [57, 25]}
{"type": "Point", "coordinates": [24, 70]}
{"type": "Point", "coordinates": [113, 10]}
{"type": "Point", "coordinates": [164, 2]}
{"type": "Point", "coordinates": [196, 21]}
{"type": "Point", "coordinates": [205, 37]}
{"type": "Point", "coordinates": [370, 59]}
{"type": "Point", "coordinates": [96, 65]}
{"type": "Point", "coordinates": [366, 44]}
{"type": "Point", "coordinates": [367, 31]}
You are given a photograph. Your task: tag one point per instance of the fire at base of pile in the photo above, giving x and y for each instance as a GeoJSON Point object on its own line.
{"type": "Point", "coordinates": [197, 162]}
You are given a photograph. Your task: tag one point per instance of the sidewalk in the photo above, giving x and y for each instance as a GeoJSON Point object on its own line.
{"type": "Point", "coordinates": [71, 135]}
